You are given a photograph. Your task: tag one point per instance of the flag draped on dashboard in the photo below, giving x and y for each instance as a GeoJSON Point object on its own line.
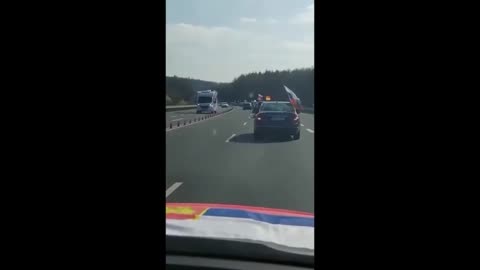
{"type": "Point", "coordinates": [293, 99]}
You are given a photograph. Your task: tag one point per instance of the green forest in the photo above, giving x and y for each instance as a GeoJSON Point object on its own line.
{"type": "Point", "coordinates": [180, 91]}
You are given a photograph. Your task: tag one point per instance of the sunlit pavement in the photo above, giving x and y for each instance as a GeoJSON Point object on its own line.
{"type": "Point", "coordinates": [218, 161]}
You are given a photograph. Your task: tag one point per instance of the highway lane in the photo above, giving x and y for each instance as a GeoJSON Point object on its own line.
{"type": "Point", "coordinates": [308, 122]}
{"type": "Point", "coordinates": [218, 161]}
{"type": "Point", "coordinates": [183, 115]}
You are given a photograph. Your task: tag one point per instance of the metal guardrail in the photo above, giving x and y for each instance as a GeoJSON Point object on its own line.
{"type": "Point", "coordinates": [308, 110]}
{"type": "Point", "coordinates": [187, 107]}
{"type": "Point", "coordinates": [179, 107]}
{"type": "Point", "coordinates": [176, 124]}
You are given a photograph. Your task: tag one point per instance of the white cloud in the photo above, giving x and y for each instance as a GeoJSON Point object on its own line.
{"type": "Point", "coordinates": [298, 46]}
{"type": "Point", "coordinates": [271, 21]}
{"type": "Point", "coordinates": [222, 53]}
{"type": "Point", "coordinates": [247, 20]}
{"type": "Point", "coordinates": [307, 16]}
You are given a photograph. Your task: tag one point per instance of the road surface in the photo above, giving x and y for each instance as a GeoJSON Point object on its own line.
{"type": "Point", "coordinates": [218, 161]}
{"type": "Point", "coordinates": [175, 116]}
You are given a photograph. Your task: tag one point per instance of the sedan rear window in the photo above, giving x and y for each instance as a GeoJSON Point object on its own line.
{"type": "Point", "coordinates": [277, 107]}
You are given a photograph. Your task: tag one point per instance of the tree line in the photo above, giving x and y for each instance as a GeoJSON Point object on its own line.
{"type": "Point", "coordinates": [246, 87]}
{"type": "Point", "coordinates": [180, 91]}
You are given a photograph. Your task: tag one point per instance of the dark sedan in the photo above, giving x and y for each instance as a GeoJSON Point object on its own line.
{"type": "Point", "coordinates": [276, 117]}
{"type": "Point", "coordinates": [247, 106]}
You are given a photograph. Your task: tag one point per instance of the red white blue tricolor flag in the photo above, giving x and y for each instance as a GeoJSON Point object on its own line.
{"type": "Point", "coordinates": [293, 99]}
{"type": "Point", "coordinates": [259, 97]}
{"type": "Point", "coordinates": [286, 230]}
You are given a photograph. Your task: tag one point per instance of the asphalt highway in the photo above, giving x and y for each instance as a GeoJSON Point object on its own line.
{"type": "Point", "coordinates": [218, 161]}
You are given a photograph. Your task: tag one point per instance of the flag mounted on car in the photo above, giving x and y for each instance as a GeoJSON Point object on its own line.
{"type": "Point", "coordinates": [259, 97]}
{"type": "Point", "coordinates": [294, 99]}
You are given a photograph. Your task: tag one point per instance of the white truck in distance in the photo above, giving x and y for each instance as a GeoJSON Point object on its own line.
{"type": "Point", "coordinates": [207, 101]}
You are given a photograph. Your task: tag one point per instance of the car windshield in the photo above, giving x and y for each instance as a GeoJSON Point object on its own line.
{"type": "Point", "coordinates": [231, 172]}
{"type": "Point", "coordinates": [277, 107]}
{"type": "Point", "coordinates": [204, 99]}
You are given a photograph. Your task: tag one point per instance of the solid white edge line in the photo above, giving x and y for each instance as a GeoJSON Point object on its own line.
{"type": "Point", "coordinates": [309, 130]}
{"type": "Point", "coordinates": [175, 128]}
{"type": "Point", "coordinates": [177, 119]}
{"type": "Point", "coordinates": [229, 138]}
{"type": "Point", "coordinates": [172, 188]}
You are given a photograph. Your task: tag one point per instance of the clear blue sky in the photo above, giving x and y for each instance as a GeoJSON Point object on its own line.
{"type": "Point", "coordinates": [218, 40]}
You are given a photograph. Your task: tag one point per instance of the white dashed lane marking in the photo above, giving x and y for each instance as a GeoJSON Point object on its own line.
{"type": "Point", "coordinates": [309, 130]}
{"type": "Point", "coordinates": [302, 125]}
{"type": "Point", "coordinates": [171, 189]}
{"type": "Point", "coordinates": [244, 123]}
{"type": "Point", "coordinates": [229, 138]}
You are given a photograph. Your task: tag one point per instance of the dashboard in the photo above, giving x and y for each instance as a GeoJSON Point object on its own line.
{"type": "Point", "coordinates": [180, 262]}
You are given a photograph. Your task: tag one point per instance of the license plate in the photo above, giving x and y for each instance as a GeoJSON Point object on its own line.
{"type": "Point", "coordinates": [278, 118]}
